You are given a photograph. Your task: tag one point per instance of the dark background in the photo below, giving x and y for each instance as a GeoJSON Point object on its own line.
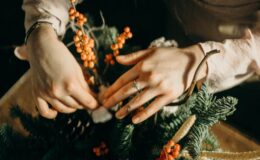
{"type": "Point", "coordinates": [148, 21]}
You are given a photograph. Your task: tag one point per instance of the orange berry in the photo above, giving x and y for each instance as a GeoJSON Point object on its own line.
{"type": "Point", "coordinates": [120, 40]}
{"type": "Point", "coordinates": [91, 43]}
{"type": "Point", "coordinates": [85, 64]}
{"type": "Point", "coordinates": [120, 45]}
{"type": "Point", "coordinates": [79, 33]}
{"type": "Point", "coordinates": [79, 50]}
{"type": "Point", "coordinates": [83, 57]}
{"type": "Point", "coordinates": [91, 53]}
{"type": "Point", "coordinates": [170, 157]}
{"type": "Point", "coordinates": [175, 154]}
{"type": "Point", "coordinates": [177, 147]}
{"type": "Point", "coordinates": [72, 11]}
{"type": "Point", "coordinates": [86, 48]}
{"type": "Point", "coordinates": [127, 29]}
{"type": "Point", "coordinates": [168, 149]}
{"type": "Point", "coordinates": [85, 38]}
{"type": "Point", "coordinates": [76, 14]}
{"type": "Point", "coordinates": [123, 35]}
{"type": "Point", "coordinates": [77, 44]}
{"type": "Point", "coordinates": [80, 22]}
{"type": "Point", "coordinates": [116, 53]}
{"type": "Point", "coordinates": [81, 16]}
{"type": "Point", "coordinates": [89, 58]}
{"type": "Point", "coordinates": [91, 64]}
{"type": "Point", "coordinates": [109, 56]}
{"type": "Point", "coordinates": [171, 143]}
{"type": "Point", "coordinates": [95, 149]}
{"type": "Point", "coordinates": [112, 62]}
{"type": "Point", "coordinates": [85, 19]}
{"type": "Point", "coordinates": [129, 35]}
{"type": "Point", "coordinates": [76, 38]}
{"type": "Point", "coordinates": [93, 57]}
{"type": "Point", "coordinates": [114, 47]}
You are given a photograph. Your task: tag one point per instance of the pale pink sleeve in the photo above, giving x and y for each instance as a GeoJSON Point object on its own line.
{"type": "Point", "coordinates": [239, 59]}
{"type": "Point", "coordinates": [53, 11]}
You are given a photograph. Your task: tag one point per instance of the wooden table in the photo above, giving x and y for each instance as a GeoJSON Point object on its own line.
{"type": "Point", "coordinates": [233, 140]}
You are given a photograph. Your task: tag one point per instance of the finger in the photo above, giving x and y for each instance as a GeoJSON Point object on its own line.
{"type": "Point", "coordinates": [85, 98]}
{"type": "Point", "coordinates": [154, 107]}
{"type": "Point", "coordinates": [137, 102]}
{"type": "Point", "coordinates": [59, 106]}
{"type": "Point", "coordinates": [124, 92]}
{"type": "Point", "coordinates": [44, 109]}
{"type": "Point", "coordinates": [21, 52]}
{"type": "Point", "coordinates": [121, 81]}
{"type": "Point", "coordinates": [70, 102]}
{"type": "Point", "coordinates": [133, 58]}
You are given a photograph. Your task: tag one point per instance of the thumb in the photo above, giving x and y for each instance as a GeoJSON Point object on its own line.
{"type": "Point", "coordinates": [133, 58]}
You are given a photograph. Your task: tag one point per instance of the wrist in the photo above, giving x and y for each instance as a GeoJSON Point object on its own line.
{"type": "Point", "coordinates": [198, 55]}
{"type": "Point", "coordinates": [41, 33]}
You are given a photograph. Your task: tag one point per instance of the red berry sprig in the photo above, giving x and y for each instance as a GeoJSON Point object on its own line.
{"type": "Point", "coordinates": [120, 41]}
{"type": "Point", "coordinates": [101, 150]}
{"type": "Point", "coordinates": [83, 43]}
{"type": "Point", "coordinates": [170, 151]}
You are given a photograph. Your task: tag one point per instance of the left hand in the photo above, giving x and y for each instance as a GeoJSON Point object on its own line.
{"type": "Point", "coordinates": [162, 74]}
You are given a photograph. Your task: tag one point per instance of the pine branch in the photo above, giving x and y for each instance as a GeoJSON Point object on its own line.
{"type": "Point", "coordinates": [121, 140]}
{"type": "Point", "coordinates": [209, 110]}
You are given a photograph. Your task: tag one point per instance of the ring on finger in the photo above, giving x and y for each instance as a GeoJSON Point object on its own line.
{"type": "Point", "coordinates": [135, 85]}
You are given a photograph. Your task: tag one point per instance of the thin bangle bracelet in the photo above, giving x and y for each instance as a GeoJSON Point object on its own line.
{"type": "Point", "coordinates": [34, 26]}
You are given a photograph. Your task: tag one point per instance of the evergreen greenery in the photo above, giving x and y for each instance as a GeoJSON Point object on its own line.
{"type": "Point", "coordinates": [64, 138]}
{"type": "Point", "coordinates": [74, 136]}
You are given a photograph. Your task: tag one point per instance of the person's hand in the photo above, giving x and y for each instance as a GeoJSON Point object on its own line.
{"type": "Point", "coordinates": [57, 78]}
{"type": "Point", "coordinates": [160, 74]}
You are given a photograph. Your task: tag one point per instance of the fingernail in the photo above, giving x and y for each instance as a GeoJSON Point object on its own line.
{"type": "Point", "coordinates": [136, 120]}
{"type": "Point", "coordinates": [121, 113]}
{"type": "Point", "coordinates": [80, 107]}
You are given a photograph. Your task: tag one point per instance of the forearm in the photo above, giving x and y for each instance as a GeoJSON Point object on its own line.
{"type": "Point", "coordinates": [238, 60]}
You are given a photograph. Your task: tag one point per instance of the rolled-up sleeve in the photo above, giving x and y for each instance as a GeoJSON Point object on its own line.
{"type": "Point", "coordinates": [53, 11]}
{"type": "Point", "coordinates": [237, 61]}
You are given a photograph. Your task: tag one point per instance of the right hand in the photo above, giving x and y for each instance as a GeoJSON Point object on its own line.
{"type": "Point", "coordinates": [57, 78]}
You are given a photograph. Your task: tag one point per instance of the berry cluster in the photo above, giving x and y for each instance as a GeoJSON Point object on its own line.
{"type": "Point", "coordinates": [75, 15]}
{"type": "Point", "coordinates": [101, 150]}
{"type": "Point", "coordinates": [83, 43]}
{"type": "Point", "coordinates": [170, 151]}
{"type": "Point", "coordinates": [120, 41]}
